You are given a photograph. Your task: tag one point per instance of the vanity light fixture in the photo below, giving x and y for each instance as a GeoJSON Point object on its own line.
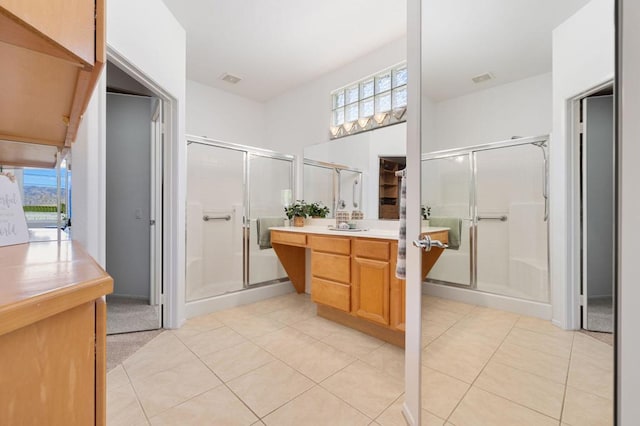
{"type": "Point", "coordinates": [380, 117]}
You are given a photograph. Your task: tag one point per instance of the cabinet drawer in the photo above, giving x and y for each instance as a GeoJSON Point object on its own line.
{"type": "Point", "coordinates": [331, 293]}
{"type": "Point", "coordinates": [290, 238]}
{"type": "Point", "coordinates": [333, 267]}
{"type": "Point", "coordinates": [337, 245]}
{"type": "Point", "coordinates": [371, 249]}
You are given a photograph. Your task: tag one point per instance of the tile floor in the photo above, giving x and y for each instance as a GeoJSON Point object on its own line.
{"type": "Point", "coordinates": [275, 363]}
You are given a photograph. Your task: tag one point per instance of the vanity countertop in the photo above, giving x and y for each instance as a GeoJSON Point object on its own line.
{"type": "Point", "coordinates": [387, 234]}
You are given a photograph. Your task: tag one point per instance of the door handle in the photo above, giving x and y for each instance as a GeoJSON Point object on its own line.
{"type": "Point", "coordinates": [502, 218]}
{"type": "Point", "coordinates": [426, 243]}
{"type": "Point", "coordinates": [208, 218]}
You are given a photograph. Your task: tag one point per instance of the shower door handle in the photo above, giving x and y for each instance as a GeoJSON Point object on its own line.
{"type": "Point", "coordinates": [207, 218]}
{"type": "Point", "coordinates": [426, 243]}
{"type": "Point", "coordinates": [502, 218]}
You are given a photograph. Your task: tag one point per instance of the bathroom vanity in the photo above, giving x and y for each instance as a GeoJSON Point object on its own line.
{"type": "Point", "coordinates": [352, 274]}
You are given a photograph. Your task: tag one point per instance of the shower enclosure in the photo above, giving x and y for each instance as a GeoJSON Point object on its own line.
{"type": "Point", "coordinates": [230, 187]}
{"type": "Point", "coordinates": [499, 190]}
{"type": "Point", "coordinates": [338, 187]}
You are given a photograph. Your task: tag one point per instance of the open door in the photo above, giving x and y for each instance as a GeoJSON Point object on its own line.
{"type": "Point", "coordinates": [597, 193]}
{"type": "Point", "coordinates": [155, 216]}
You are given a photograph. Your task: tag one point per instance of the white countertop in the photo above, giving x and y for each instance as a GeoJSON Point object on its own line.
{"type": "Point", "coordinates": [387, 234]}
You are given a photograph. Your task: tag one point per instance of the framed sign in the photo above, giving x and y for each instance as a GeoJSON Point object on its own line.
{"type": "Point", "coordinates": [13, 225]}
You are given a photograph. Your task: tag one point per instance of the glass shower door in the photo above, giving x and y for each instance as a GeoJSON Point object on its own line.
{"type": "Point", "coordinates": [215, 212]}
{"type": "Point", "coordinates": [446, 193]}
{"type": "Point", "coordinates": [270, 188]}
{"type": "Point", "coordinates": [510, 218]}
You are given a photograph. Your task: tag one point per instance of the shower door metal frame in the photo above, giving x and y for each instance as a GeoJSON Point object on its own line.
{"type": "Point", "coordinates": [247, 152]}
{"type": "Point", "coordinates": [337, 188]}
{"type": "Point", "coordinates": [470, 152]}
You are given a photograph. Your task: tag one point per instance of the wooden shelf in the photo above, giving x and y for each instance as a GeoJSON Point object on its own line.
{"type": "Point", "coordinates": [52, 53]}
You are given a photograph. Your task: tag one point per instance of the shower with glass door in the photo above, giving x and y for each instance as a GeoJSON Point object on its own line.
{"type": "Point", "coordinates": [499, 191]}
{"type": "Point", "coordinates": [230, 187]}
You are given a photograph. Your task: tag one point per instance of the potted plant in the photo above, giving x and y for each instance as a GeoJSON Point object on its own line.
{"type": "Point", "coordinates": [297, 211]}
{"type": "Point", "coordinates": [317, 210]}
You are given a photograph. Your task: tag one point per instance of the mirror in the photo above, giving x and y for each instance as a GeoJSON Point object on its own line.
{"type": "Point", "coordinates": [355, 160]}
{"type": "Point", "coordinates": [497, 76]}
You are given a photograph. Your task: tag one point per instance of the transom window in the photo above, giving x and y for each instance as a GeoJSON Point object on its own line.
{"type": "Point", "coordinates": [374, 101]}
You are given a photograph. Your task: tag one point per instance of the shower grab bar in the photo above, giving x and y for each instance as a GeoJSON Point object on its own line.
{"type": "Point", "coordinates": [502, 218]}
{"type": "Point", "coordinates": [207, 218]}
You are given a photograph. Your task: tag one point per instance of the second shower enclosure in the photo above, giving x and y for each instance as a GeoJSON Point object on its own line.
{"type": "Point", "coordinates": [229, 188]}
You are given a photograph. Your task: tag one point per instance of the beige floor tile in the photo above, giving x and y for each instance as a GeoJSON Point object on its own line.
{"type": "Point", "coordinates": [524, 388]}
{"type": "Point", "coordinates": [480, 312]}
{"type": "Point", "coordinates": [542, 326]}
{"type": "Point", "coordinates": [169, 388]}
{"type": "Point", "coordinates": [316, 407]}
{"type": "Point", "coordinates": [457, 357]}
{"type": "Point", "coordinates": [387, 358]}
{"type": "Point", "coordinates": [282, 342]}
{"type": "Point", "coordinates": [123, 407]}
{"type": "Point", "coordinates": [586, 409]}
{"type": "Point", "coordinates": [293, 314]}
{"type": "Point", "coordinates": [202, 323]}
{"type": "Point", "coordinates": [453, 306]}
{"type": "Point", "coordinates": [476, 334]}
{"type": "Point", "coordinates": [491, 328]}
{"type": "Point", "coordinates": [533, 361]}
{"type": "Point", "coordinates": [254, 326]}
{"type": "Point", "coordinates": [213, 341]}
{"type": "Point", "coordinates": [440, 392]}
{"type": "Point", "coordinates": [269, 387]}
{"type": "Point", "coordinates": [365, 388]}
{"type": "Point", "coordinates": [237, 360]}
{"type": "Point", "coordinates": [216, 407]}
{"type": "Point", "coordinates": [317, 360]}
{"type": "Point", "coordinates": [442, 316]}
{"type": "Point", "coordinates": [393, 416]}
{"type": "Point", "coordinates": [553, 345]}
{"type": "Point", "coordinates": [352, 342]}
{"type": "Point", "coordinates": [587, 374]}
{"type": "Point", "coordinates": [162, 353]}
{"type": "Point", "coordinates": [317, 327]}
{"type": "Point", "coordinates": [431, 330]}
{"type": "Point", "coordinates": [599, 351]}
{"type": "Point", "coordinates": [481, 408]}
{"type": "Point", "coordinates": [117, 377]}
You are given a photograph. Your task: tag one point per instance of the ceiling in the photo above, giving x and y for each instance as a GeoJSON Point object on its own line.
{"type": "Point", "coordinates": [276, 45]}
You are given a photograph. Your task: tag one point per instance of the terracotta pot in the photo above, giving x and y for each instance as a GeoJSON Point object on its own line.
{"type": "Point", "coordinates": [298, 221]}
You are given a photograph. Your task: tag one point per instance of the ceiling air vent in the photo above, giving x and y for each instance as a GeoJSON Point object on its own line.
{"type": "Point", "coordinates": [483, 77]}
{"type": "Point", "coordinates": [230, 78]}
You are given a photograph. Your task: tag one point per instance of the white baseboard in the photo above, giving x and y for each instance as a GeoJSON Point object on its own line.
{"type": "Point", "coordinates": [488, 300]}
{"type": "Point", "coordinates": [238, 298]}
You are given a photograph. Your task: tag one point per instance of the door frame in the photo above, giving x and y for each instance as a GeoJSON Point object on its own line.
{"type": "Point", "coordinates": [155, 210]}
{"type": "Point", "coordinates": [172, 299]}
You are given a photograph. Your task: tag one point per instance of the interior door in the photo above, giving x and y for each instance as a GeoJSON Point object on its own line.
{"type": "Point", "coordinates": [597, 214]}
{"type": "Point", "coordinates": [155, 210]}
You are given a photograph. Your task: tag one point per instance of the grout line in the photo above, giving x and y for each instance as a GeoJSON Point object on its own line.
{"type": "Point", "coordinates": [566, 380]}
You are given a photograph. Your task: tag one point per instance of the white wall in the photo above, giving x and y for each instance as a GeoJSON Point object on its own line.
{"type": "Point", "coordinates": [521, 108]}
{"type": "Point", "coordinates": [223, 116]}
{"type": "Point", "coordinates": [145, 35]}
{"type": "Point", "coordinates": [583, 58]}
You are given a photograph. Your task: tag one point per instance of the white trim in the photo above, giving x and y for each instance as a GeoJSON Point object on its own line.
{"type": "Point", "coordinates": [173, 197]}
{"type": "Point", "coordinates": [489, 300]}
{"type": "Point", "coordinates": [238, 298]}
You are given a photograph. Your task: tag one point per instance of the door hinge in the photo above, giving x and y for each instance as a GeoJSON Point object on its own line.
{"type": "Point", "coordinates": [162, 298]}
{"type": "Point", "coordinates": [583, 300]}
{"type": "Point", "coordinates": [152, 222]}
{"type": "Point", "coordinates": [581, 128]}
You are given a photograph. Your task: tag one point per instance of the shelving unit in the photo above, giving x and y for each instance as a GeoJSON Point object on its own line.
{"type": "Point", "coordinates": [389, 187]}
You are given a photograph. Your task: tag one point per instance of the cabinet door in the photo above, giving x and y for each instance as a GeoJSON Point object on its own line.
{"type": "Point", "coordinates": [370, 290]}
{"type": "Point", "coordinates": [397, 293]}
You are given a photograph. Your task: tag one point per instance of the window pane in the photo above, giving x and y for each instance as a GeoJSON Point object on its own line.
{"type": "Point", "coordinates": [383, 82]}
{"type": "Point", "coordinates": [399, 77]}
{"type": "Point", "coordinates": [400, 97]}
{"type": "Point", "coordinates": [338, 117]}
{"type": "Point", "coordinates": [338, 99]}
{"type": "Point", "coordinates": [383, 102]}
{"type": "Point", "coordinates": [351, 112]}
{"type": "Point", "coordinates": [352, 94]}
{"type": "Point", "coordinates": [366, 107]}
{"type": "Point", "coordinates": [366, 89]}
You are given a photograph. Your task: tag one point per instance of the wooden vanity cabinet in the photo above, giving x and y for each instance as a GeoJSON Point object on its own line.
{"type": "Point", "coordinates": [371, 280]}
{"type": "Point", "coordinates": [331, 271]}
{"type": "Point", "coordinates": [52, 53]}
